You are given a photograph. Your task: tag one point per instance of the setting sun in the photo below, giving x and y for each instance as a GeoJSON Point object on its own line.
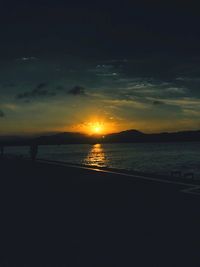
{"type": "Point", "coordinates": [96, 128]}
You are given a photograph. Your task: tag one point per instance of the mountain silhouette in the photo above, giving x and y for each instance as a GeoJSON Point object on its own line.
{"type": "Point", "coordinates": [129, 136]}
{"type": "Point", "coordinates": [137, 136]}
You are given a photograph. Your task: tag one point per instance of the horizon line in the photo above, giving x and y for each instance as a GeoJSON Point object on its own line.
{"type": "Point", "coordinates": [31, 135]}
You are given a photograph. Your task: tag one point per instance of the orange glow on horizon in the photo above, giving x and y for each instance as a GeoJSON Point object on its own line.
{"type": "Point", "coordinates": [95, 126]}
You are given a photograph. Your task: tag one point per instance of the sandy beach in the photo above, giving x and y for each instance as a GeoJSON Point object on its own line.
{"type": "Point", "coordinates": [56, 215]}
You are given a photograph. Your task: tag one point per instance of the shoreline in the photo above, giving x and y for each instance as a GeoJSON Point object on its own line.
{"type": "Point", "coordinates": [126, 173]}
{"type": "Point", "coordinates": [162, 170]}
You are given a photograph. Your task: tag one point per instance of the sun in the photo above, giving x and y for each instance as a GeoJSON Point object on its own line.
{"type": "Point", "coordinates": [96, 128]}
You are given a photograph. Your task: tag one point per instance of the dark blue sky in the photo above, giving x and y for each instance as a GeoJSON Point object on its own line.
{"type": "Point", "coordinates": [103, 28]}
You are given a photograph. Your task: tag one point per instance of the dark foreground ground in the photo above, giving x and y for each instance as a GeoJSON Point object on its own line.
{"type": "Point", "coordinates": [65, 216]}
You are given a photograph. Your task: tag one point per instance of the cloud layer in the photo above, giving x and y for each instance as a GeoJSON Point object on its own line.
{"type": "Point", "coordinates": [77, 90]}
{"type": "Point", "coordinates": [127, 90]}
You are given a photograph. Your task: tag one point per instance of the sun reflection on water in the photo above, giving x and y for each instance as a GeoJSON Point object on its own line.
{"type": "Point", "coordinates": [96, 156]}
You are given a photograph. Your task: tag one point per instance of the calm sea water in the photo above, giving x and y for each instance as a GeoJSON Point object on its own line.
{"type": "Point", "coordinates": [159, 158]}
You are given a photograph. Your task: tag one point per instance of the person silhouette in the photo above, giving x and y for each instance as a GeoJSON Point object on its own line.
{"type": "Point", "coordinates": [33, 151]}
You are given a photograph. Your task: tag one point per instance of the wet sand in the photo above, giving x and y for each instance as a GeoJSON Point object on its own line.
{"type": "Point", "coordinates": [55, 215]}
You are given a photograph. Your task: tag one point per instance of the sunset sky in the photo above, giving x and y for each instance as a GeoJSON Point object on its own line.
{"type": "Point", "coordinates": [124, 65]}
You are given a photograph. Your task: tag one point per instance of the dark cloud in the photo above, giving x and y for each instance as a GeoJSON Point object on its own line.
{"type": "Point", "coordinates": [42, 91]}
{"type": "Point", "coordinates": [77, 90]}
{"type": "Point", "coordinates": [2, 114]}
{"type": "Point", "coordinates": [37, 92]}
{"type": "Point", "coordinates": [158, 102]}
{"type": "Point", "coordinates": [41, 85]}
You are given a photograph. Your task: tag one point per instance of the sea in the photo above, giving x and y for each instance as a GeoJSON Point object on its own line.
{"type": "Point", "coordinates": [152, 158]}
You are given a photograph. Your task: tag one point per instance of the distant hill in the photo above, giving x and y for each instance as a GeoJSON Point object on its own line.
{"type": "Point", "coordinates": [137, 136]}
{"type": "Point", "coordinates": [65, 138]}
{"type": "Point", "coordinates": [125, 136]}
{"type": "Point", "coordinates": [129, 136]}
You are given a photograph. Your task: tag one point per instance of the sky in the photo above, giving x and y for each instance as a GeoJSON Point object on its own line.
{"type": "Point", "coordinates": [65, 66]}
